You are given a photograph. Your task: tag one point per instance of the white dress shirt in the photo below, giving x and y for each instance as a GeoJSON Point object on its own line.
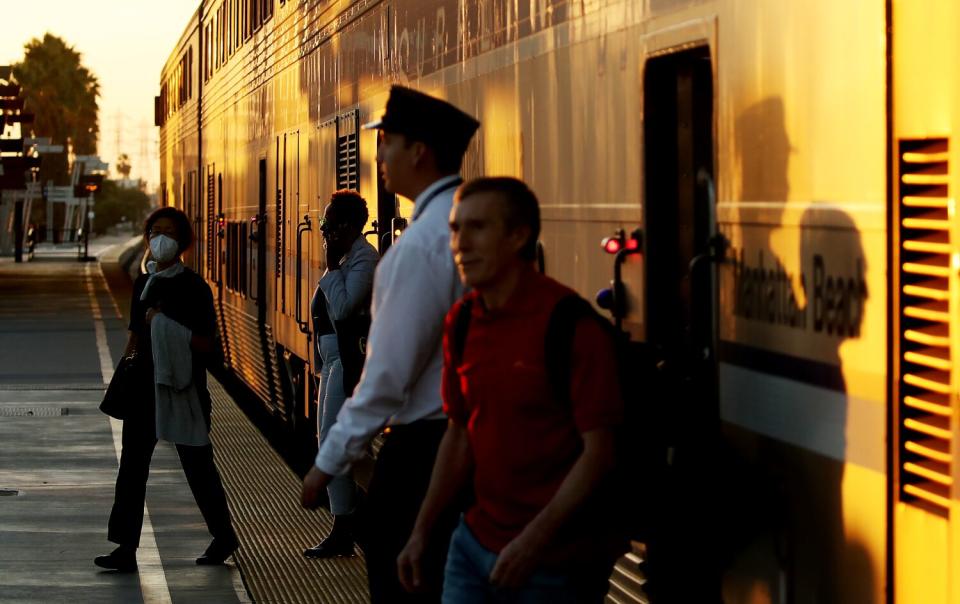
{"type": "Point", "coordinates": [415, 285]}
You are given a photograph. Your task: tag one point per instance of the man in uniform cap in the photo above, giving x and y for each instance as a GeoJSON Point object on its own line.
{"type": "Point", "coordinates": [422, 142]}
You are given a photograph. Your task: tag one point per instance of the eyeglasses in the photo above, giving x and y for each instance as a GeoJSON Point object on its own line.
{"type": "Point", "coordinates": [328, 226]}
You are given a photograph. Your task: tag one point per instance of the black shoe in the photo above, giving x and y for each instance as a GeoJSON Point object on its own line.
{"type": "Point", "coordinates": [338, 543]}
{"type": "Point", "coordinates": [218, 552]}
{"type": "Point", "coordinates": [122, 559]}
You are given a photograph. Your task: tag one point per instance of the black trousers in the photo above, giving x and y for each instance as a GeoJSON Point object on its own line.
{"type": "Point", "coordinates": [139, 441]}
{"type": "Point", "coordinates": [397, 489]}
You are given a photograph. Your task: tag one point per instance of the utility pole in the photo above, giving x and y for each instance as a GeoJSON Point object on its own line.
{"type": "Point", "coordinates": [144, 146]}
{"type": "Point", "coordinates": [118, 118]}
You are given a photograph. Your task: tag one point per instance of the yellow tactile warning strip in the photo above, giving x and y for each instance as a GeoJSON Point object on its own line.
{"type": "Point", "coordinates": [264, 497]}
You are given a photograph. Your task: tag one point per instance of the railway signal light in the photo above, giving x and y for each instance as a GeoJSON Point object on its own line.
{"type": "Point", "coordinates": [614, 243]}
{"type": "Point", "coordinates": [614, 298]}
{"type": "Point", "coordinates": [619, 241]}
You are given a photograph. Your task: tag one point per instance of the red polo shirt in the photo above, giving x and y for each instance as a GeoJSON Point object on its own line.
{"type": "Point", "coordinates": [524, 442]}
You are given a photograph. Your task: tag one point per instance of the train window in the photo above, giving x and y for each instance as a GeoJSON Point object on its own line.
{"type": "Point", "coordinates": [215, 39]}
{"type": "Point", "coordinates": [190, 73]}
{"type": "Point", "coordinates": [267, 10]}
{"type": "Point", "coordinates": [237, 38]}
{"type": "Point", "coordinates": [348, 150]}
{"type": "Point", "coordinates": [254, 15]}
{"type": "Point", "coordinates": [230, 278]}
{"type": "Point", "coordinates": [924, 388]}
{"type": "Point", "coordinates": [244, 256]}
{"type": "Point", "coordinates": [236, 257]}
{"type": "Point", "coordinates": [207, 49]}
{"type": "Point", "coordinates": [222, 33]}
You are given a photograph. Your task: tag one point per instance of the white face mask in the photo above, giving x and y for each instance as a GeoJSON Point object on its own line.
{"type": "Point", "coordinates": [163, 248]}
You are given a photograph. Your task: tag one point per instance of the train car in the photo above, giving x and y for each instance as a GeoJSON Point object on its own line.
{"type": "Point", "coordinates": [176, 113]}
{"type": "Point", "coordinates": [783, 171]}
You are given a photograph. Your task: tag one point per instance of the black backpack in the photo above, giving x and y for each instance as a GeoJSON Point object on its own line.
{"type": "Point", "coordinates": [634, 490]}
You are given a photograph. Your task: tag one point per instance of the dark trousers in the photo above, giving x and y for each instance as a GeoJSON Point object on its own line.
{"type": "Point", "coordinates": [126, 517]}
{"type": "Point", "coordinates": [397, 489]}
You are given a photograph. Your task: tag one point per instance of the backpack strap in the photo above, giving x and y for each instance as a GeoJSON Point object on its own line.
{"type": "Point", "coordinates": [461, 326]}
{"type": "Point", "coordinates": [558, 343]}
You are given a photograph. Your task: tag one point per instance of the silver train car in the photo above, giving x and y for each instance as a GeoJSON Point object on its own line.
{"type": "Point", "coordinates": [786, 169]}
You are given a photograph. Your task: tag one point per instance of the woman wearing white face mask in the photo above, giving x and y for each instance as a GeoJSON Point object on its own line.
{"type": "Point", "coordinates": [170, 301]}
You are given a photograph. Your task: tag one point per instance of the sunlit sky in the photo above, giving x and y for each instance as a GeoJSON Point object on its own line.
{"type": "Point", "coordinates": [125, 43]}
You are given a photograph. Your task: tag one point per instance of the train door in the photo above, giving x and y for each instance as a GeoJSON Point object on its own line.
{"type": "Point", "coordinates": [292, 253]}
{"type": "Point", "coordinates": [220, 257]}
{"type": "Point", "coordinates": [681, 311]}
{"type": "Point", "coordinates": [299, 227]}
{"type": "Point", "coordinates": [196, 211]}
{"type": "Point", "coordinates": [258, 245]}
{"type": "Point", "coordinates": [212, 223]}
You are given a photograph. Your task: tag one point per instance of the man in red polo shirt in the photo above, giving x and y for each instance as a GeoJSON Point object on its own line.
{"type": "Point", "coordinates": [534, 460]}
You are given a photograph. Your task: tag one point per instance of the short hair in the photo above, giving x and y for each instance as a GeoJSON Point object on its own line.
{"type": "Point", "coordinates": [521, 207]}
{"type": "Point", "coordinates": [180, 221]}
{"type": "Point", "coordinates": [448, 157]}
{"type": "Point", "coordinates": [350, 207]}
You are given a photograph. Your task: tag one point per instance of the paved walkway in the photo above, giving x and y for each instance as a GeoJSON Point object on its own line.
{"type": "Point", "coordinates": [60, 335]}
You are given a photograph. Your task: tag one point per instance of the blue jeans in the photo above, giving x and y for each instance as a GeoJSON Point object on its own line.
{"type": "Point", "coordinates": [342, 490]}
{"type": "Point", "coordinates": [466, 578]}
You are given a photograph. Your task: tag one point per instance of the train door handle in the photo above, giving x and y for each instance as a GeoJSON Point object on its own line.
{"type": "Point", "coordinates": [303, 227]}
{"type": "Point", "coordinates": [218, 246]}
{"type": "Point", "coordinates": [716, 252]}
{"type": "Point", "coordinates": [255, 223]}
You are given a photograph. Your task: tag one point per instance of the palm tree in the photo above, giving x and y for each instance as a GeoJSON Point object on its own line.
{"type": "Point", "coordinates": [62, 94]}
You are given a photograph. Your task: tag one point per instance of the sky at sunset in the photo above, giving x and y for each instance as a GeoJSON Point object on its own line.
{"type": "Point", "coordinates": [125, 43]}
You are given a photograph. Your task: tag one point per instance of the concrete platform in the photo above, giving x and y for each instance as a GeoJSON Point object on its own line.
{"type": "Point", "coordinates": [59, 328]}
{"type": "Point", "coordinates": [62, 329]}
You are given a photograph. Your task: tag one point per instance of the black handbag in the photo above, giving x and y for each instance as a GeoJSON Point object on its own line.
{"type": "Point", "coordinates": [125, 386]}
{"type": "Point", "coordinates": [352, 342]}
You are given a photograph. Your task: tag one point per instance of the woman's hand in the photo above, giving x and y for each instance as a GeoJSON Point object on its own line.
{"type": "Point", "coordinates": [334, 253]}
{"type": "Point", "coordinates": [151, 313]}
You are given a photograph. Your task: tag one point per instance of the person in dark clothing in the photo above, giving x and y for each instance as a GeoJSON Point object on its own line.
{"type": "Point", "coordinates": [175, 293]}
{"type": "Point", "coordinates": [340, 310]}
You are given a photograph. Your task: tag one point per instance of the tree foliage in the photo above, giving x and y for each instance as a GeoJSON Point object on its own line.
{"type": "Point", "coordinates": [61, 93]}
{"type": "Point", "coordinates": [113, 204]}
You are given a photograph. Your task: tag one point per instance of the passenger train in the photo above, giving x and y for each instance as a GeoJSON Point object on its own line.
{"type": "Point", "coordinates": [783, 168]}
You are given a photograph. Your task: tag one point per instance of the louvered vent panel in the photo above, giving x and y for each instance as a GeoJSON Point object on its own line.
{"type": "Point", "coordinates": [348, 151]}
{"type": "Point", "coordinates": [925, 370]}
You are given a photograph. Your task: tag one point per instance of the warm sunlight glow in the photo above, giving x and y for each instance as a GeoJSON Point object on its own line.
{"type": "Point", "coordinates": [125, 43]}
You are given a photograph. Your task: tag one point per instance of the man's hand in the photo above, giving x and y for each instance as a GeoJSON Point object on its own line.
{"type": "Point", "coordinates": [314, 487]}
{"type": "Point", "coordinates": [409, 562]}
{"type": "Point", "coordinates": [518, 560]}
